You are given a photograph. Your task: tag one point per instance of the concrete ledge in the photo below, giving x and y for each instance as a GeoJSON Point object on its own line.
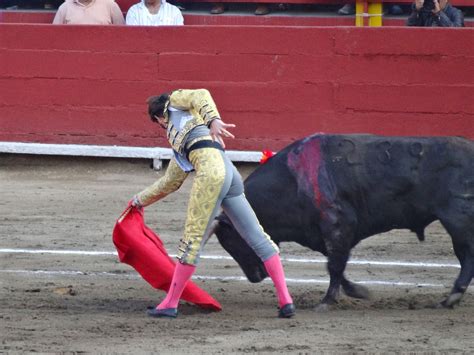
{"type": "Point", "coordinates": [157, 154]}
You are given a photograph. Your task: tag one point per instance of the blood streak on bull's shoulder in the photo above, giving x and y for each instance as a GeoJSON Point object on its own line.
{"type": "Point", "coordinates": [306, 161]}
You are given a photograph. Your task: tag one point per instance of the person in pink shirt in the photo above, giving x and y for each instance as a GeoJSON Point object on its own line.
{"type": "Point", "coordinates": [89, 12]}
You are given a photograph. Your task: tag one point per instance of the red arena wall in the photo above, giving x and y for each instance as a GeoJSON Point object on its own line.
{"type": "Point", "coordinates": [88, 84]}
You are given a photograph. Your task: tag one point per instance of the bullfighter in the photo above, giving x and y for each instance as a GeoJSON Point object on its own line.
{"type": "Point", "coordinates": [195, 132]}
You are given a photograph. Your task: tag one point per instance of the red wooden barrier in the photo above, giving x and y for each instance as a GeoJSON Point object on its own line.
{"type": "Point", "coordinates": [88, 84]}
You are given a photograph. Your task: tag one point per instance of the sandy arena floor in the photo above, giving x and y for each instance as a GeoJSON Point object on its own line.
{"type": "Point", "coordinates": [71, 303]}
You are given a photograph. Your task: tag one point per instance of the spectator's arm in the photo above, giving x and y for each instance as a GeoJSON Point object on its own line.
{"type": "Point", "coordinates": [116, 14]}
{"type": "Point", "coordinates": [455, 20]}
{"type": "Point", "coordinates": [178, 19]}
{"type": "Point", "coordinates": [132, 18]}
{"type": "Point", "coordinates": [415, 17]}
{"type": "Point", "coordinates": [60, 17]}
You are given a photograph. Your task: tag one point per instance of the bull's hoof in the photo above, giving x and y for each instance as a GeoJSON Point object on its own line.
{"type": "Point", "coordinates": [451, 301]}
{"type": "Point", "coordinates": [322, 308]}
{"type": "Point", "coordinates": [356, 291]}
{"type": "Point", "coordinates": [442, 305]}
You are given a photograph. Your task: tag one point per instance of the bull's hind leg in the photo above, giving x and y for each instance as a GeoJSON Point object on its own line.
{"type": "Point", "coordinates": [462, 235]}
{"type": "Point", "coordinates": [465, 255]}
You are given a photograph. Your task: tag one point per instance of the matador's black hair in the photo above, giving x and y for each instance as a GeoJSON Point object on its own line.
{"type": "Point", "coordinates": [156, 105]}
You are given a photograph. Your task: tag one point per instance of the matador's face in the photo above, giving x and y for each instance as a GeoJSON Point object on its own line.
{"type": "Point", "coordinates": [163, 122]}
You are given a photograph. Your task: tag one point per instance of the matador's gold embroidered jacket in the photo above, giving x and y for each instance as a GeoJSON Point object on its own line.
{"type": "Point", "coordinates": [203, 109]}
{"type": "Point", "coordinates": [168, 183]}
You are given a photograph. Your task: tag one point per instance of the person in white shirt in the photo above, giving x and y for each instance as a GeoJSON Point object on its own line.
{"type": "Point", "coordinates": [154, 13]}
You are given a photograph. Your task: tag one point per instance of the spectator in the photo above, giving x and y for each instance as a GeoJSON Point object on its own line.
{"type": "Point", "coordinates": [434, 13]}
{"type": "Point", "coordinates": [154, 13]}
{"type": "Point", "coordinates": [219, 8]}
{"type": "Point", "coordinates": [89, 12]}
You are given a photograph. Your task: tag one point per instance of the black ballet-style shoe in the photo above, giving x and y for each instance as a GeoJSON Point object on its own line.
{"type": "Point", "coordinates": [163, 313]}
{"type": "Point", "coordinates": [287, 311]}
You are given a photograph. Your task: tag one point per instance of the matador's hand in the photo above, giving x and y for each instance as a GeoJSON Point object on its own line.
{"type": "Point", "coordinates": [219, 130]}
{"type": "Point", "coordinates": [135, 202]}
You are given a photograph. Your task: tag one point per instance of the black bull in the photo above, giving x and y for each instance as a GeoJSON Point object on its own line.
{"type": "Point", "coordinates": [329, 192]}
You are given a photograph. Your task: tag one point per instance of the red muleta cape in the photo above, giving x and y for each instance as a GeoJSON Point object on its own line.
{"type": "Point", "coordinates": [138, 246]}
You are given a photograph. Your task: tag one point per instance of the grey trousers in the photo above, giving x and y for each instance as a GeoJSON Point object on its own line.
{"type": "Point", "coordinates": [219, 184]}
{"type": "Point", "coordinates": [242, 216]}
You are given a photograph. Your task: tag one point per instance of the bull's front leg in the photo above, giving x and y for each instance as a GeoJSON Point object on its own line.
{"type": "Point", "coordinates": [337, 260]}
{"type": "Point", "coordinates": [337, 234]}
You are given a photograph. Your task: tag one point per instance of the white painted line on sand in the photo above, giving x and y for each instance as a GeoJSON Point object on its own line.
{"type": "Point", "coordinates": [222, 257]}
{"type": "Point", "coordinates": [214, 278]}
{"type": "Point", "coordinates": [323, 281]}
{"type": "Point", "coordinates": [60, 252]}
{"type": "Point", "coordinates": [379, 263]}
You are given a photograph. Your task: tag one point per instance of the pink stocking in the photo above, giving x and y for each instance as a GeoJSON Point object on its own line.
{"type": "Point", "coordinates": [275, 270]}
{"type": "Point", "coordinates": [182, 273]}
